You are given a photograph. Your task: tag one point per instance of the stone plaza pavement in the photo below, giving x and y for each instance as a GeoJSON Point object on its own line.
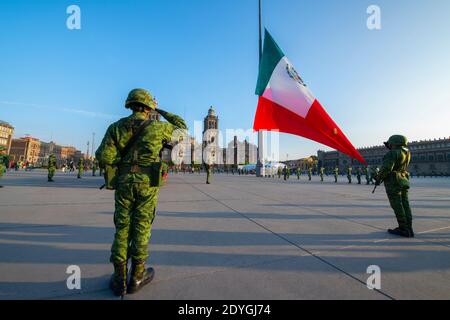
{"type": "Point", "coordinates": [239, 238]}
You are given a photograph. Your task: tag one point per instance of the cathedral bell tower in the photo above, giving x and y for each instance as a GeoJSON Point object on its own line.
{"type": "Point", "coordinates": [210, 137]}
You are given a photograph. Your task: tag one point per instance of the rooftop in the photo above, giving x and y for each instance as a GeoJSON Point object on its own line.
{"type": "Point", "coordinates": [5, 124]}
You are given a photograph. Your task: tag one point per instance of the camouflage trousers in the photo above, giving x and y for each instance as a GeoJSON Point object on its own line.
{"type": "Point", "coordinates": [135, 211]}
{"type": "Point", "coordinates": [2, 170]}
{"type": "Point", "coordinates": [208, 177]}
{"type": "Point", "coordinates": [398, 199]}
{"type": "Point", "coordinates": [51, 172]}
{"type": "Point", "coordinates": [80, 173]}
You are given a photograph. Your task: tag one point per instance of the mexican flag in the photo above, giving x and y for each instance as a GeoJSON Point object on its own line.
{"type": "Point", "coordinates": [287, 105]}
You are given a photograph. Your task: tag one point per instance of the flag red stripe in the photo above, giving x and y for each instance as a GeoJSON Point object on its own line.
{"type": "Point", "coordinates": [317, 125]}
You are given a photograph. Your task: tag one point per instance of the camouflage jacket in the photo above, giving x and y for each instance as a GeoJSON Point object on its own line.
{"type": "Point", "coordinates": [4, 160]}
{"type": "Point", "coordinates": [147, 148]}
{"type": "Point", "coordinates": [394, 170]}
{"type": "Point", "coordinates": [52, 162]}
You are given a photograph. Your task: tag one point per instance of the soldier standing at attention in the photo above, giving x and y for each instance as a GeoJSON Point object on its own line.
{"type": "Point", "coordinates": [4, 161]}
{"type": "Point", "coordinates": [372, 174]}
{"type": "Point", "coordinates": [280, 171]}
{"type": "Point", "coordinates": [395, 176]}
{"type": "Point", "coordinates": [336, 174]}
{"type": "Point", "coordinates": [299, 173]}
{"type": "Point", "coordinates": [322, 171]}
{"type": "Point", "coordinates": [366, 173]}
{"type": "Point", "coordinates": [285, 173]}
{"type": "Point", "coordinates": [94, 167]}
{"type": "Point", "coordinates": [349, 174]}
{"type": "Point", "coordinates": [310, 170]}
{"type": "Point", "coordinates": [136, 183]}
{"type": "Point", "coordinates": [80, 168]}
{"type": "Point", "coordinates": [208, 168]}
{"type": "Point", "coordinates": [358, 174]}
{"type": "Point", "coordinates": [51, 167]}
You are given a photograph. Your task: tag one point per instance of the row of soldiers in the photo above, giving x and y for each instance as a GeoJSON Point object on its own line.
{"type": "Point", "coordinates": [370, 174]}
{"type": "Point", "coordinates": [51, 168]}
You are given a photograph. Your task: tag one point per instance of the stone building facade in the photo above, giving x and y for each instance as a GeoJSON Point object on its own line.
{"type": "Point", "coordinates": [25, 149]}
{"type": "Point", "coordinates": [6, 134]}
{"type": "Point", "coordinates": [428, 157]}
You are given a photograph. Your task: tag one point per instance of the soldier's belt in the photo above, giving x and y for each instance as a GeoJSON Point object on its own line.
{"type": "Point", "coordinates": [128, 169]}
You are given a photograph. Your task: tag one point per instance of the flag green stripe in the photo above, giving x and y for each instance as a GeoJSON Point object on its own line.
{"type": "Point", "coordinates": [272, 54]}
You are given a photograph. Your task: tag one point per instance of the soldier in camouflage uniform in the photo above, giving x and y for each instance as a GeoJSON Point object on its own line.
{"type": "Point", "coordinates": [336, 174]}
{"type": "Point", "coordinates": [349, 174]}
{"type": "Point", "coordinates": [299, 173]}
{"type": "Point", "coordinates": [80, 168]}
{"type": "Point", "coordinates": [280, 171]}
{"type": "Point", "coordinates": [208, 168]}
{"type": "Point", "coordinates": [358, 174]}
{"type": "Point", "coordinates": [136, 185]}
{"type": "Point", "coordinates": [395, 176]}
{"type": "Point", "coordinates": [322, 171]}
{"type": "Point", "coordinates": [373, 174]}
{"type": "Point", "coordinates": [4, 161]}
{"type": "Point", "coordinates": [94, 167]}
{"type": "Point", "coordinates": [310, 170]}
{"type": "Point", "coordinates": [51, 167]}
{"type": "Point", "coordinates": [367, 174]}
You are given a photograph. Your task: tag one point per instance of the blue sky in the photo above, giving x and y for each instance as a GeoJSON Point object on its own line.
{"type": "Point", "coordinates": [66, 84]}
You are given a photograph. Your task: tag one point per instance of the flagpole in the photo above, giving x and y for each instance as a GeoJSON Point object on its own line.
{"type": "Point", "coordinates": [260, 167]}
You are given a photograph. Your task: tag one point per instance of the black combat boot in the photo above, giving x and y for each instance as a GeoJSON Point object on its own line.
{"type": "Point", "coordinates": [118, 282]}
{"type": "Point", "coordinates": [139, 276]}
{"type": "Point", "coordinates": [400, 232]}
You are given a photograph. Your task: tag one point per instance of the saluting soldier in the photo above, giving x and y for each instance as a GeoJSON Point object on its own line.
{"type": "Point", "coordinates": [137, 182]}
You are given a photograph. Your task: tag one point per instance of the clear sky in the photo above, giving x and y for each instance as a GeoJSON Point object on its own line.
{"type": "Point", "coordinates": [66, 84]}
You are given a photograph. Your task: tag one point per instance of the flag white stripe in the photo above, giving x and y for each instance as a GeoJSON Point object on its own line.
{"type": "Point", "coordinates": [284, 90]}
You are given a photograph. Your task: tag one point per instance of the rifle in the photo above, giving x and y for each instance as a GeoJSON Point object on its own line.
{"type": "Point", "coordinates": [376, 186]}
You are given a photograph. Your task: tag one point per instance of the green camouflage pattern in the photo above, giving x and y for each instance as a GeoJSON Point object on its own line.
{"type": "Point", "coordinates": [395, 176]}
{"type": "Point", "coordinates": [398, 140]}
{"type": "Point", "coordinates": [51, 166]}
{"type": "Point", "coordinates": [367, 174]}
{"type": "Point", "coordinates": [140, 96]}
{"type": "Point", "coordinates": [4, 162]}
{"type": "Point", "coordinates": [94, 167]}
{"type": "Point", "coordinates": [336, 174]}
{"type": "Point", "coordinates": [80, 168]}
{"type": "Point", "coordinates": [359, 174]}
{"type": "Point", "coordinates": [322, 171]}
{"type": "Point", "coordinates": [135, 198]}
{"type": "Point", "coordinates": [209, 169]}
{"type": "Point", "coordinates": [349, 174]}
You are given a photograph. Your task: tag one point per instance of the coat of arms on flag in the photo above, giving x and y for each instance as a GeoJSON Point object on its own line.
{"type": "Point", "coordinates": [287, 105]}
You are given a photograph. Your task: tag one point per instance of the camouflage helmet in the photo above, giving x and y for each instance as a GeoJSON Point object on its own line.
{"type": "Point", "coordinates": [140, 96]}
{"type": "Point", "coordinates": [397, 140]}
